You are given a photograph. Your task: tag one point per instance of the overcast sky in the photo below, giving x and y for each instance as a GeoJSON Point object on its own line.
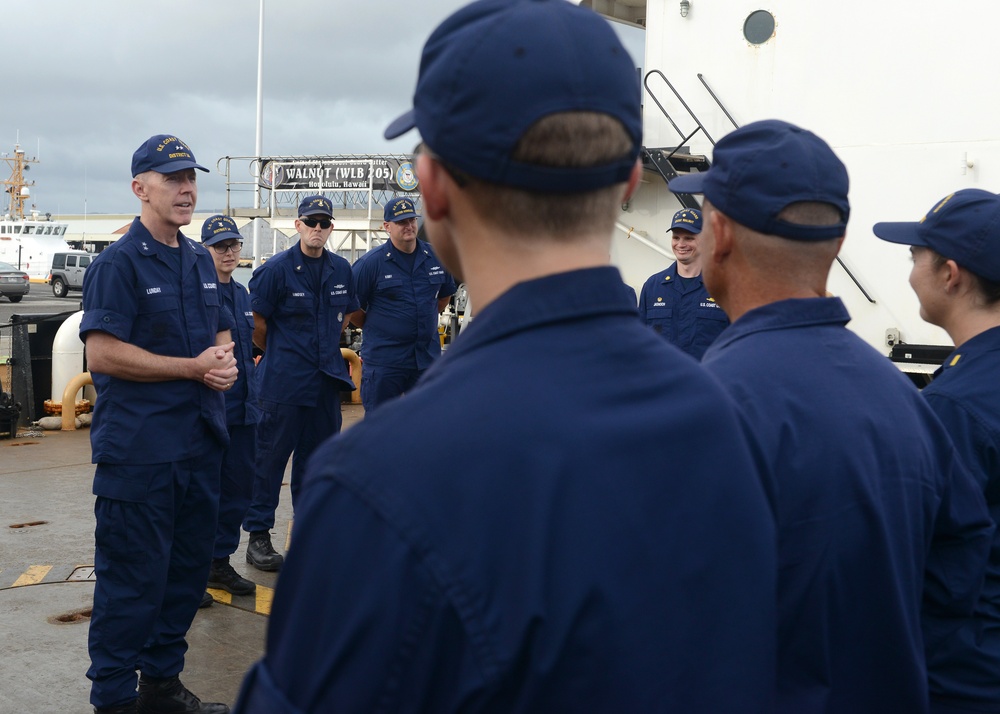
{"type": "Point", "coordinates": [87, 82]}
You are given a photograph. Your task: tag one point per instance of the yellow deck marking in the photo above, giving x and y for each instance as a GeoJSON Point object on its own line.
{"type": "Point", "coordinates": [32, 575]}
{"type": "Point", "coordinates": [220, 596]}
{"type": "Point", "coordinates": [264, 598]}
{"type": "Point", "coordinates": [288, 536]}
{"type": "Point", "coordinates": [35, 574]}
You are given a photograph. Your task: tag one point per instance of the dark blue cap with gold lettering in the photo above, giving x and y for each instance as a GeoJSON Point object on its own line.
{"type": "Point", "coordinates": [399, 209]}
{"type": "Point", "coordinates": [687, 219]}
{"type": "Point", "coordinates": [219, 228]}
{"type": "Point", "coordinates": [164, 154]}
{"type": "Point", "coordinates": [316, 206]}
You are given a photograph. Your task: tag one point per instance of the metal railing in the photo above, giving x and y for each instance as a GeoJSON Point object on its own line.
{"type": "Point", "coordinates": [685, 138]}
{"type": "Point", "coordinates": [664, 166]}
{"type": "Point", "coordinates": [713, 95]}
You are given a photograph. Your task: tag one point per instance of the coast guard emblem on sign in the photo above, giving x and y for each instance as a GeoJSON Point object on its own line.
{"type": "Point", "coordinates": [405, 176]}
{"type": "Point", "coordinates": [272, 175]}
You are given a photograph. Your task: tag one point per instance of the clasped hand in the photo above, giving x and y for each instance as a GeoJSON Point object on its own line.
{"type": "Point", "coordinates": [219, 363]}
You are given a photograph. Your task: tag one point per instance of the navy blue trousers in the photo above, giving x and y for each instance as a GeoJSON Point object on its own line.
{"type": "Point", "coordinates": [155, 525]}
{"type": "Point", "coordinates": [379, 384]}
{"type": "Point", "coordinates": [283, 430]}
{"type": "Point", "coordinates": [236, 488]}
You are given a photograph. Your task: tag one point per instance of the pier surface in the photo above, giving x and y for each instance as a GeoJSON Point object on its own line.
{"type": "Point", "coordinates": [47, 585]}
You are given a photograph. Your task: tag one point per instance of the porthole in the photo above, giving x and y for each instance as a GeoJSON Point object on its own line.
{"type": "Point", "coordinates": [758, 27]}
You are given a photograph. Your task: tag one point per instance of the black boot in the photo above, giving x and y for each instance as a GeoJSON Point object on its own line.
{"type": "Point", "coordinates": [206, 601]}
{"type": "Point", "coordinates": [224, 577]}
{"type": "Point", "coordinates": [120, 709]}
{"type": "Point", "coordinates": [169, 696]}
{"type": "Point", "coordinates": [261, 554]}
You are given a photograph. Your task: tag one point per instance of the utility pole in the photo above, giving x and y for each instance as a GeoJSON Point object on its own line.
{"type": "Point", "coordinates": [259, 146]}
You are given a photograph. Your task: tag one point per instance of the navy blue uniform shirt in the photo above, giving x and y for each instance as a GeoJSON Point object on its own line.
{"type": "Point", "coordinates": [596, 541]}
{"type": "Point", "coordinates": [303, 326]}
{"type": "Point", "coordinates": [241, 400]}
{"type": "Point", "coordinates": [401, 314]}
{"type": "Point", "coordinates": [681, 311]}
{"type": "Point", "coordinates": [133, 292]}
{"type": "Point", "coordinates": [875, 513]}
{"type": "Point", "coordinates": [963, 657]}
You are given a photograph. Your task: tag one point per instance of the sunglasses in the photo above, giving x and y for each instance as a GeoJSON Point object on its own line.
{"type": "Point", "coordinates": [323, 223]}
{"type": "Point", "coordinates": [223, 249]}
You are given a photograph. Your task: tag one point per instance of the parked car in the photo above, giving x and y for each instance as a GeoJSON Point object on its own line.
{"type": "Point", "coordinates": [67, 271]}
{"type": "Point", "coordinates": [14, 283]}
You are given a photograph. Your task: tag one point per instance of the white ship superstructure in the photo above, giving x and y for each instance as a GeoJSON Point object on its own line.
{"type": "Point", "coordinates": [27, 240]}
{"type": "Point", "coordinates": [902, 93]}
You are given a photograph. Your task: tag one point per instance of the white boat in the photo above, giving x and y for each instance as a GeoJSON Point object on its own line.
{"type": "Point", "coordinates": [901, 92]}
{"type": "Point", "coordinates": [27, 240]}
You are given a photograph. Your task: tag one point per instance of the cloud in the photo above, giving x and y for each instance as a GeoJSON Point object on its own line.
{"type": "Point", "coordinates": [94, 79]}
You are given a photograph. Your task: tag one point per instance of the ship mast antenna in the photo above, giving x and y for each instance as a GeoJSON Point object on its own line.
{"type": "Point", "coordinates": [16, 186]}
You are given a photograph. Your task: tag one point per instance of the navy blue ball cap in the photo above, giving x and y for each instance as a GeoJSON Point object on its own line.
{"type": "Point", "coordinates": [495, 67]}
{"type": "Point", "coordinates": [762, 168]}
{"type": "Point", "coordinates": [963, 226]}
{"type": "Point", "coordinates": [316, 206]}
{"type": "Point", "coordinates": [219, 228]}
{"type": "Point", "coordinates": [687, 219]}
{"type": "Point", "coordinates": [399, 209]}
{"type": "Point", "coordinates": [164, 154]}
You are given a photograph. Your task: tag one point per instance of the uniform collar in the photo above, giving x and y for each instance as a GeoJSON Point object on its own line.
{"type": "Point", "coordinates": [149, 247]}
{"type": "Point", "coordinates": [672, 277]}
{"type": "Point", "coordinates": [299, 258]}
{"type": "Point", "coordinates": [421, 252]}
{"type": "Point", "coordinates": [986, 341]}
{"type": "Point", "coordinates": [590, 292]}
{"type": "Point", "coordinates": [784, 315]}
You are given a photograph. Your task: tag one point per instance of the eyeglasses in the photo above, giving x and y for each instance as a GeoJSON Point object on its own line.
{"type": "Point", "coordinates": [222, 249]}
{"type": "Point", "coordinates": [323, 223]}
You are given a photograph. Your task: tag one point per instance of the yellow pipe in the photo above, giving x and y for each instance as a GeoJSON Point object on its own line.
{"type": "Point", "coordinates": [81, 380]}
{"type": "Point", "coordinates": [69, 397]}
{"type": "Point", "coordinates": [352, 358]}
